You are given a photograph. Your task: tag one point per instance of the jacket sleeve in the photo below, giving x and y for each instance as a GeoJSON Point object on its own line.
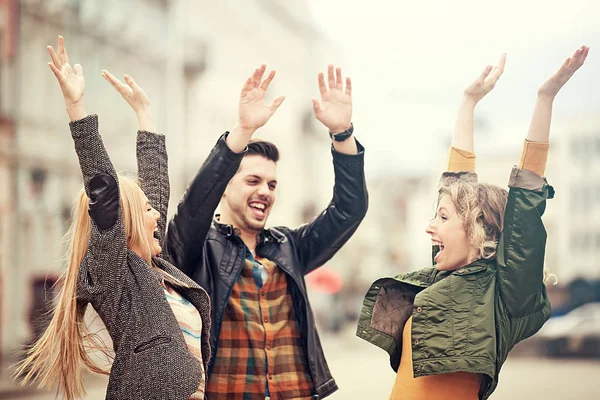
{"type": "Point", "coordinates": [522, 244]}
{"type": "Point", "coordinates": [153, 173]}
{"type": "Point", "coordinates": [107, 249]}
{"type": "Point", "coordinates": [188, 229]}
{"type": "Point", "coordinates": [319, 240]}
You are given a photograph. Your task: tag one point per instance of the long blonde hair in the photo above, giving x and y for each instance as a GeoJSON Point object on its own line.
{"type": "Point", "coordinates": [481, 206]}
{"type": "Point", "coordinates": [60, 353]}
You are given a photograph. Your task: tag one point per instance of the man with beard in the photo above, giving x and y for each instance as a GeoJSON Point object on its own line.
{"type": "Point", "coordinates": [263, 336]}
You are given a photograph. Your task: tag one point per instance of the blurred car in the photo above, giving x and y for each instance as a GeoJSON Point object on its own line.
{"type": "Point", "coordinates": [575, 333]}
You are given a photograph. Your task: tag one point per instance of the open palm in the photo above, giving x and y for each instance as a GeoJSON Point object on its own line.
{"type": "Point", "coordinates": [69, 78]}
{"type": "Point", "coordinates": [551, 87]}
{"type": "Point", "coordinates": [486, 81]}
{"type": "Point", "coordinates": [252, 110]}
{"type": "Point", "coordinates": [335, 109]}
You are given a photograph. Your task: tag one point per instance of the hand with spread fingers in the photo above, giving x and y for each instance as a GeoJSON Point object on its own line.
{"type": "Point", "coordinates": [135, 96]}
{"type": "Point", "coordinates": [486, 81]}
{"type": "Point", "coordinates": [70, 79]}
{"type": "Point", "coordinates": [253, 113]}
{"type": "Point", "coordinates": [335, 109]}
{"type": "Point", "coordinates": [539, 128]}
{"type": "Point", "coordinates": [551, 87]}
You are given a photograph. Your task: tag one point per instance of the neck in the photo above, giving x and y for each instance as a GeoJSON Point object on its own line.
{"type": "Point", "coordinates": [249, 239]}
{"type": "Point", "coordinates": [247, 236]}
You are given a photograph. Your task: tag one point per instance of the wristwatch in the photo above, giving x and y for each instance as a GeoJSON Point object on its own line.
{"type": "Point", "coordinates": [340, 137]}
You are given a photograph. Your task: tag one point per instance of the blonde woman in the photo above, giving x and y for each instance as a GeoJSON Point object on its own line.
{"type": "Point", "coordinates": [449, 328]}
{"type": "Point", "coordinates": [158, 319]}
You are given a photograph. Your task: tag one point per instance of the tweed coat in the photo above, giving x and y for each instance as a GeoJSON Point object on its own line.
{"type": "Point", "coordinates": [152, 360]}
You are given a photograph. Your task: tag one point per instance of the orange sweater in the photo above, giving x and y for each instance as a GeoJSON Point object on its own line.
{"type": "Point", "coordinates": [456, 385]}
{"type": "Point", "coordinates": [533, 158]}
{"type": "Point", "coordinates": [452, 386]}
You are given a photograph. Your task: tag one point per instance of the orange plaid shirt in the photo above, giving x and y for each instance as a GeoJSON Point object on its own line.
{"type": "Point", "coordinates": [260, 342]}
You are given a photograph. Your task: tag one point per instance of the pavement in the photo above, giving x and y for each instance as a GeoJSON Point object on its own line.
{"type": "Point", "coordinates": [362, 371]}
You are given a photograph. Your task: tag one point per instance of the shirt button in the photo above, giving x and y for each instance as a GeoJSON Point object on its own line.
{"type": "Point", "coordinates": [266, 319]}
{"type": "Point", "coordinates": [262, 294]}
{"type": "Point", "coordinates": [416, 342]}
{"type": "Point", "coordinates": [268, 347]}
{"type": "Point", "coordinates": [270, 377]}
{"type": "Point", "coordinates": [419, 309]}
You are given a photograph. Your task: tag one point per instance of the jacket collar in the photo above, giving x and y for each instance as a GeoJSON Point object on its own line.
{"type": "Point", "coordinates": [262, 236]}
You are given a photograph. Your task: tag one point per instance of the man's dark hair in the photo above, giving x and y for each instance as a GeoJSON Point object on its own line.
{"type": "Point", "coordinates": [262, 148]}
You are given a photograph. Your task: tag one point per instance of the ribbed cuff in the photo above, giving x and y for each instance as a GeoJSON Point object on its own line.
{"type": "Point", "coordinates": [534, 156]}
{"type": "Point", "coordinates": [461, 160]}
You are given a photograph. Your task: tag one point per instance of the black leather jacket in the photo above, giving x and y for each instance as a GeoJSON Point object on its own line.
{"type": "Point", "coordinates": [212, 255]}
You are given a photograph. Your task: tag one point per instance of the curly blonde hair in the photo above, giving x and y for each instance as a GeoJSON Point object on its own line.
{"type": "Point", "coordinates": [481, 206]}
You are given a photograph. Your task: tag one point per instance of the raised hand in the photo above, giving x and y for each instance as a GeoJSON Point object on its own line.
{"type": "Point", "coordinates": [486, 81]}
{"type": "Point", "coordinates": [132, 93]}
{"type": "Point", "coordinates": [335, 109]}
{"type": "Point", "coordinates": [71, 80]}
{"type": "Point", "coordinates": [253, 113]}
{"type": "Point", "coordinates": [552, 86]}
{"type": "Point", "coordinates": [135, 97]}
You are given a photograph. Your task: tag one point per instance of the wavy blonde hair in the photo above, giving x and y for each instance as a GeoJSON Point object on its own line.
{"type": "Point", "coordinates": [481, 206]}
{"type": "Point", "coordinates": [60, 354]}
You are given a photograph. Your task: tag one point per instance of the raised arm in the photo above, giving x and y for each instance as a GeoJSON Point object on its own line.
{"type": "Point", "coordinates": [318, 241]}
{"type": "Point", "coordinates": [107, 247]}
{"type": "Point", "coordinates": [189, 227]}
{"type": "Point", "coordinates": [462, 157]}
{"type": "Point", "coordinates": [151, 151]}
{"type": "Point", "coordinates": [522, 244]}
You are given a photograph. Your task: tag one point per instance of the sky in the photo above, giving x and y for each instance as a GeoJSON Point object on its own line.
{"type": "Point", "coordinates": [410, 62]}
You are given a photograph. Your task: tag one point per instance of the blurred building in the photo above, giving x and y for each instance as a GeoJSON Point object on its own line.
{"type": "Point", "coordinates": [191, 58]}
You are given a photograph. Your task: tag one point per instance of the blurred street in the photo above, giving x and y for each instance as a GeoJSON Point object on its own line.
{"type": "Point", "coordinates": [362, 372]}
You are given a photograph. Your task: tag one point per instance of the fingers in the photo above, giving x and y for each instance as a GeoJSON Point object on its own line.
{"type": "Point", "coordinates": [254, 80]}
{"type": "Point", "coordinates": [247, 87]}
{"type": "Point", "coordinates": [276, 103]}
{"type": "Point", "coordinates": [316, 106]}
{"type": "Point", "coordinates": [498, 69]}
{"type": "Point", "coordinates": [62, 50]}
{"type": "Point", "coordinates": [116, 83]}
{"type": "Point", "coordinates": [339, 83]}
{"type": "Point", "coordinates": [322, 86]}
{"type": "Point", "coordinates": [484, 74]}
{"type": "Point", "coordinates": [56, 72]}
{"type": "Point", "coordinates": [54, 57]}
{"type": "Point", "coordinates": [579, 57]}
{"type": "Point", "coordinates": [348, 86]}
{"type": "Point", "coordinates": [265, 85]}
{"type": "Point", "coordinates": [78, 69]}
{"type": "Point", "coordinates": [334, 81]}
{"type": "Point", "coordinates": [134, 86]}
{"type": "Point", "coordinates": [330, 78]}
{"type": "Point", "coordinates": [258, 74]}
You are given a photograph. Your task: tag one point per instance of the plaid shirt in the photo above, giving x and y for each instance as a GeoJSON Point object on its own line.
{"type": "Point", "coordinates": [259, 342]}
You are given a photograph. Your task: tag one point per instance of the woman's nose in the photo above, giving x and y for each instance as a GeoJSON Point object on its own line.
{"type": "Point", "coordinates": [431, 226]}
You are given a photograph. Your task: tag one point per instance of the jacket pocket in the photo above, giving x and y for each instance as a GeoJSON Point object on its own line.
{"type": "Point", "coordinates": [153, 342]}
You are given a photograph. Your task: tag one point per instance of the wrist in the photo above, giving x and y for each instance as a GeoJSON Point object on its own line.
{"type": "Point", "coordinates": [334, 130]}
{"type": "Point", "coordinates": [243, 130]}
{"type": "Point", "coordinates": [76, 111]}
{"type": "Point", "coordinates": [545, 97]}
{"type": "Point", "coordinates": [469, 101]}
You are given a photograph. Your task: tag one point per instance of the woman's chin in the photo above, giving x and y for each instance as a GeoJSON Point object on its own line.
{"type": "Point", "coordinates": [156, 249]}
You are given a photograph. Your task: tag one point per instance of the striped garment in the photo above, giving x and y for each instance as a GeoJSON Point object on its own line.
{"type": "Point", "coordinates": [260, 342]}
{"type": "Point", "coordinates": [190, 323]}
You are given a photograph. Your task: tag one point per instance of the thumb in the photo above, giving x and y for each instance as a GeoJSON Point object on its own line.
{"type": "Point", "coordinates": [276, 103]}
{"type": "Point", "coordinates": [316, 105]}
{"type": "Point", "coordinates": [79, 69]}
